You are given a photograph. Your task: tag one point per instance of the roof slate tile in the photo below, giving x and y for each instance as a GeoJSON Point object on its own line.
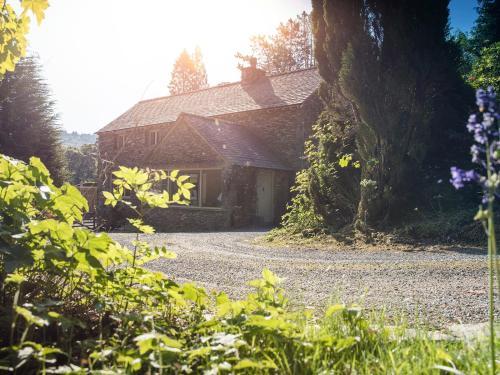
{"type": "Point", "coordinates": [234, 142]}
{"type": "Point", "coordinates": [268, 92]}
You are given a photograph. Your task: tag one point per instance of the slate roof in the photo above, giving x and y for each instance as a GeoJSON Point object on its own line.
{"type": "Point", "coordinates": [233, 142]}
{"type": "Point", "coordinates": [268, 92]}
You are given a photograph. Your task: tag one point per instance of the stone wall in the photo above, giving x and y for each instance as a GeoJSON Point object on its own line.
{"type": "Point", "coordinates": [238, 209]}
{"type": "Point", "coordinates": [180, 219]}
{"type": "Point", "coordinates": [284, 129]}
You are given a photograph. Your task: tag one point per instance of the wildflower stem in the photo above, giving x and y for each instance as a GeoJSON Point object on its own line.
{"type": "Point", "coordinates": [492, 260]}
{"type": "Point", "coordinates": [492, 268]}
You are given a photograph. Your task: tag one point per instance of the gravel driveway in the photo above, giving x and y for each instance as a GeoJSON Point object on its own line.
{"type": "Point", "coordinates": [440, 285]}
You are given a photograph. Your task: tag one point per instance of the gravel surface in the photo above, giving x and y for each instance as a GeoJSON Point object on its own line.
{"type": "Point", "coordinates": [437, 284]}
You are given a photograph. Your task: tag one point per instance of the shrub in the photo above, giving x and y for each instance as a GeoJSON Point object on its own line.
{"type": "Point", "coordinates": [78, 302]}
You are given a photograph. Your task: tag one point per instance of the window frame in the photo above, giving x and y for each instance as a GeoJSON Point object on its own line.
{"type": "Point", "coordinates": [120, 138]}
{"type": "Point", "coordinates": [152, 137]}
{"type": "Point", "coordinates": [200, 187]}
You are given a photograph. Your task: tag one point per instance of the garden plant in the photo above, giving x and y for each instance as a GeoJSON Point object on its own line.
{"type": "Point", "coordinates": [74, 301]}
{"type": "Point", "coordinates": [486, 153]}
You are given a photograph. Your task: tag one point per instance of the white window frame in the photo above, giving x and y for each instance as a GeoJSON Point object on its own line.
{"type": "Point", "coordinates": [154, 137]}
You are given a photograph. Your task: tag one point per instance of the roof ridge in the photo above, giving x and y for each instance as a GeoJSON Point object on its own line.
{"type": "Point", "coordinates": [222, 85]}
{"type": "Point", "coordinates": [209, 118]}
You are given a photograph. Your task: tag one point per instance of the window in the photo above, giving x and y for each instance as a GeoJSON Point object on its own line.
{"type": "Point", "coordinates": [207, 190]}
{"type": "Point", "coordinates": [152, 137]}
{"type": "Point", "coordinates": [119, 141]}
{"type": "Point", "coordinates": [194, 178]}
{"type": "Point", "coordinates": [211, 192]}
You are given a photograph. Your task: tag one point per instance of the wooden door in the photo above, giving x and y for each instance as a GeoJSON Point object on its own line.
{"type": "Point", "coordinates": [265, 204]}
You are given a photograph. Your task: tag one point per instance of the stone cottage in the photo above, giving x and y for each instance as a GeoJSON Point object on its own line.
{"type": "Point", "coordinates": [241, 143]}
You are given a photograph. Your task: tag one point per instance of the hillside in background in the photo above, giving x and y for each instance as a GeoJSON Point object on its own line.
{"type": "Point", "coordinates": [76, 140]}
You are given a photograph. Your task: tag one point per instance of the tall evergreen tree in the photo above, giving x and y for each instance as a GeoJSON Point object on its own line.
{"type": "Point", "coordinates": [391, 80]}
{"type": "Point", "coordinates": [476, 47]}
{"type": "Point", "coordinates": [29, 125]}
{"type": "Point", "coordinates": [486, 30]}
{"type": "Point", "coordinates": [290, 48]}
{"type": "Point", "coordinates": [188, 74]}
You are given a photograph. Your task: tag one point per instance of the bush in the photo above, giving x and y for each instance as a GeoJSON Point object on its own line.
{"type": "Point", "coordinates": [78, 302]}
{"type": "Point", "coordinates": [300, 216]}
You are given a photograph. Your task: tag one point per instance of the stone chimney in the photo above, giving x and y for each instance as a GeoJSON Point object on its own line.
{"type": "Point", "coordinates": [251, 73]}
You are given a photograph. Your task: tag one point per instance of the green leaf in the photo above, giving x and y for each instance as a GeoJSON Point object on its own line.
{"type": "Point", "coordinates": [140, 226]}
{"type": "Point", "coordinates": [152, 340]}
{"type": "Point", "coordinates": [181, 179]}
{"type": "Point", "coordinates": [14, 278]}
{"type": "Point", "coordinates": [30, 318]}
{"type": "Point", "coordinates": [108, 195]}
{"type": "Point", "coordinates": [248, 363]}
{"type": "Point", "coordinates": [334, 309]}
{"type": "Point", "coordinates": [200, 352]}
{"type": "Point", "coordinates": [37, 7]}
{"type": "Point", "coordinates": [270, 277]}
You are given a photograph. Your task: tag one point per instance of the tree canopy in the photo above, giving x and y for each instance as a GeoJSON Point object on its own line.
{"type": "Point", "coordinates": [477, 46]}
{"type": "Point", "coordinates": [485, 70]}
{"type": "Point", "coordinates": [392, 85]}
{"type": "Point", "coordinates": [81, 163]}
{"type": "Point", "coordinates": [486, 30]}
{"type": "Point", "coordinates": [29, 125]}
{"type": "Point", "coordinates": [188, 74]}
{"type": "Point", "coordinates": [290, 48]}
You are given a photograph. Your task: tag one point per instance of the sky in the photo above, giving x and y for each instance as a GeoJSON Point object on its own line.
{"type": "Point", "coordinates": [100, 57]}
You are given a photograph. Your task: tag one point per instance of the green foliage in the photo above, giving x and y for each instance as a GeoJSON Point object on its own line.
{"type": "Point", "coordinates": [81, 163]}
{"type": "Point", "coordinates": [486, 30]}
{"type": "Point", "coordinates": [477, 47]}
{"type": "Point", "coordinates": [486, 69]}
{"type": "Point", "coordinates": [300, 216]}
{"type": "Point", "coordinates": [291, 48]}
{"type": "Point", "coordinates": [390, 76]}
{"type": "Point", "coordinates": [326, 192]}
{"type": "Point", "coordinates": [78, 302]}
{"type": "Point", "coordinates": [188, 73]}
{"type": "Point", "coordinates": [29, 124]}
{"type": "Point", "coordinates": [13, 28]}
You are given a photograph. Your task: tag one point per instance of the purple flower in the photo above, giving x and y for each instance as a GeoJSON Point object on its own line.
{"type": "Point", "coordinates": [484, 128]}
{"type": "Point", "coordinates": [476, 151]}
{"type": "Point", "coordinates": [486, 99]}
{"type": "Point", "coordinates": [459, 177]}
{"type": "Point", "coordinates": [480, 137]}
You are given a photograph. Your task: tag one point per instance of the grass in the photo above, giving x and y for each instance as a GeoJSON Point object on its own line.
{"type": "Point", "coordinates": [73, 301]}
{"type": "Point", "coordinates": [453, 227]}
